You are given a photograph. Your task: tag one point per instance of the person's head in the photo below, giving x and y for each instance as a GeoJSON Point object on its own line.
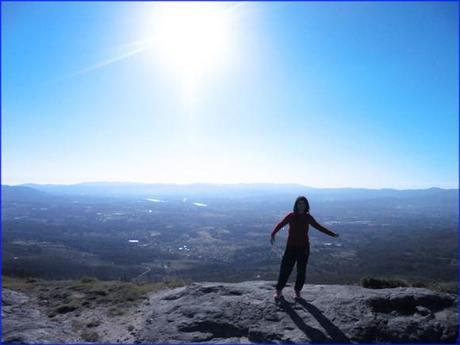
{"type": "Point", "coordinates": [301, 205]}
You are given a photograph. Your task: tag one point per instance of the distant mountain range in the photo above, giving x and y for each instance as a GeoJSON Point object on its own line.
{"type": "Point", "coordinates": [22, 193]}
{"type": "Point", "coordinates": [238, 190]}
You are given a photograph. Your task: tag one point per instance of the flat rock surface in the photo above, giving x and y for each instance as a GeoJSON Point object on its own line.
{"type": "Point", "coordinates": [247, 313]}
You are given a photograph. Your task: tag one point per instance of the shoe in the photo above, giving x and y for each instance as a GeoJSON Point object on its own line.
{"type": "Point", "coordinates": [277, 294]}
{"type": "Point", "coordinates": [297, 294]}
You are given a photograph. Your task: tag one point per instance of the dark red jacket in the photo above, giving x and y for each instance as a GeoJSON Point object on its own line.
{"type": "Point", "coordinates": [298, 228]}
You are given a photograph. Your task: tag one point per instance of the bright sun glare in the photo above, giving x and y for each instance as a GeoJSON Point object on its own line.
{"type": "Point", "coordinates": [191, 38]}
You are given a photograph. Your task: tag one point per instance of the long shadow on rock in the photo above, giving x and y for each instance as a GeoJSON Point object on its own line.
{"type": "Point", "coordinates": [334, 332]}
{"type": "Point", "coordinates": [313, 334]}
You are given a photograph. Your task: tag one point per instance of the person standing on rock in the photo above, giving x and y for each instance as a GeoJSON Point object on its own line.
{"type": "Point", "coordinates": [297, 246]}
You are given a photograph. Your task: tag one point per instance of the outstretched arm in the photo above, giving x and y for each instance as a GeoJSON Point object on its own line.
{"type": "Point", "coordinates": [278, 226]}
{"type": "Point", "coordinates": [321, 228]}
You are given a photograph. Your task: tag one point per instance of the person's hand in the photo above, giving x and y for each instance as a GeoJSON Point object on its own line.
{"type": "Point", "coordinates": [272, 239]}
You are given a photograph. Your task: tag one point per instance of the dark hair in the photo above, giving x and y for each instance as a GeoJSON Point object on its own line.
{"type": "Point", "coordinates": [307, 208]}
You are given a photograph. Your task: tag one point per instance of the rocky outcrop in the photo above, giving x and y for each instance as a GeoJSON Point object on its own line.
{"type": "Point", "coordinates": [244, 313]}
{"type": "Point", "coordinates": [23, 322]}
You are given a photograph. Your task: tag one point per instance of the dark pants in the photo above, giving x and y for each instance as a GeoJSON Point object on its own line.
{"type": "Point", "coordinates": [292, 255]}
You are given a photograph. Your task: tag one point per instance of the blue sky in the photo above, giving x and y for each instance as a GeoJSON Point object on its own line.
{"type": "Point", "coordinates": [323, 94]}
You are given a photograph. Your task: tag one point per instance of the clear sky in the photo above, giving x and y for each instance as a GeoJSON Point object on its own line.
{"type": "Point", "coordinates": [322, 94]}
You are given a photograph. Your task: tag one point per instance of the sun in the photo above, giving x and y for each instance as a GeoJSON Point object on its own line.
{"type": "Point", "coordinates": [193, 39]}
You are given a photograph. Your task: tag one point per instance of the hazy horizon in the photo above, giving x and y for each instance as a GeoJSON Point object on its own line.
{"type": "Point", "coordinates": [330, 95]}
{"type": "Point", "coordinates": [220, 184]}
